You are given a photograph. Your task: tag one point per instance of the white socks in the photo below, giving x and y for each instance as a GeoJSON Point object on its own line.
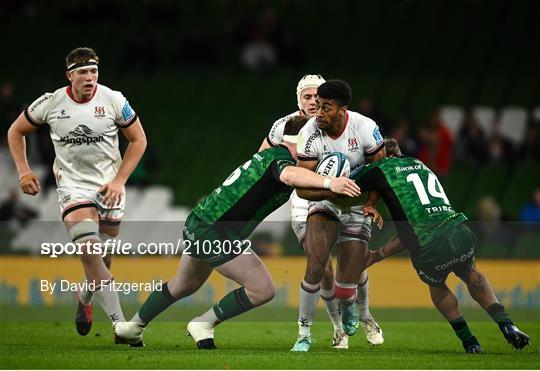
{"type": "Point", "coordinates": [138, 320]}
{"type": "Point", "coordinates": [309, 296]}
{"type": "Point", "coordinates": [362, 298]}
{"type": "Point", "coordinates": [332, 308]}
{"type": "Point", "coordinates": [208, 316]}
{"type": "Point", "coordinates": [107, 297]}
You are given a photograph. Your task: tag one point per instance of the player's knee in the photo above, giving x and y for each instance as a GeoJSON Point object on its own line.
{"type": "Point", "coordinates": [107, 236]}
{"type": "Point", "coordinates": [84, 231]}
{"type": "Point", "coordinates": [268, 291]}
{"type": "Point", "coordinates": [314, 273]}
{"type": "Point", "coordinates": [263, 293]}
{"type": "Point", "coordinates": [181, 288]}
{"type": "Point", "coordinates": [269, 294]}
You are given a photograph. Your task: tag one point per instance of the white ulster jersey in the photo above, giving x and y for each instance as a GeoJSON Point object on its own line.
{"type": "Point", "coordinates": [275, 137]}
{"type": "Point", "coordinates": [360, 138]}
{"type": "Point", "coordinates": [85, 135]}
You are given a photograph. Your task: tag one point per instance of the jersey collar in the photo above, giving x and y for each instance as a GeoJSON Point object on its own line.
{"type": "Point", "coordinates": [343, 129]}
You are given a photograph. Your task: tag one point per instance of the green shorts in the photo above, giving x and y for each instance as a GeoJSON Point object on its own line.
{"type": "Point", "coordinates": [454, 252]}
{"type": "Point", "coordinates": [213, 245]}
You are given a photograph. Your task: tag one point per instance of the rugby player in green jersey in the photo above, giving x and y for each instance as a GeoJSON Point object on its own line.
{"type": "Point", "coordinates": [215, 234]}
{"type": "Point", "coordinates": [437, 238]}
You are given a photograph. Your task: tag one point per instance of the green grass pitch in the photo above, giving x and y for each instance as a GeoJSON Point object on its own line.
{"type": "Point", "coordinates": [41, 338]}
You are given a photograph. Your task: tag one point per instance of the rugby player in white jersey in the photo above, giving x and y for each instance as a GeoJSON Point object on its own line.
{"type": "Point", "coordinates": [84, 119]}
{"type": "Point", "coordinates": [306, 92]}
{"type": "Point", "coordinates": [336, 129]}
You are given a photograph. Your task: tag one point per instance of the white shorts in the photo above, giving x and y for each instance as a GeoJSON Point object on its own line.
{"type": "Point", "coordinates": [354, 226]}
{"type": "Point", "coordinates": [73, 198]}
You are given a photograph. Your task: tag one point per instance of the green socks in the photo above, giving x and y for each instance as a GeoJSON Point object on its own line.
{"type": "Point", "coordinates": [461, 328]}
{"type": "Point", "coordinates": [156, 303]}
{"type": "Point", "coordinates": [497, 312]}
{"type": "Point", "coordinates": [234, 303]}
{"type": "Point", "coordinates": [499, 315]}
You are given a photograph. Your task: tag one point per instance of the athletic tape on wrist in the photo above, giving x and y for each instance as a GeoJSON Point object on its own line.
{"type": "Point", "coordinates": [326, 184]}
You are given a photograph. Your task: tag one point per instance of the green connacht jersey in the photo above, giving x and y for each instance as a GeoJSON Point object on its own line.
{"type": "Point", "coordinates": [415, 198]}
{"type": "Point", "coordinates": [249, 194]}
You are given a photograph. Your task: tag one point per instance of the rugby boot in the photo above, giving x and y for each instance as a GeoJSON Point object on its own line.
{"type": "Point", "coordinates": [84, 317]}
{"type": "Point", "coordinates": [129, 333]}
{"type": "Point", "coordinates": [374, 334]}
{"type": "Point", "coordinates": [349, 318]}
{"type": "Point", "coordinates": [202, 333]}
{"type": "Point", "coordinates": [341, 340]}
{"type": "Point", "coordinates": [302, 344]}
{"type": "Point", "coordinates": [472, 346]}
{"type": "Point", "coordinates": [514, 336]}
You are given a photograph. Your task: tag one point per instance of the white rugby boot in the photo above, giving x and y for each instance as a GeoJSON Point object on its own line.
{"type": "Point", "coordinates": [202, 333]}
{"type": "Point", "coordinates": [128, 333]}
{"type": "Point", "coordinates": [374, 334]}
{"type": "Point", "coordinates": [341, 340]}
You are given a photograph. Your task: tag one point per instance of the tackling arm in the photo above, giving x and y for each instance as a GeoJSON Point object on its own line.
{"type": "Point", "coordinates": [313, 194]}
{"type": "Point", "coordinates": [391, 248]}
{"type": "Point", "coordinates": [303, 178]}
{"type": "Point", "coordinates": [20, 128]}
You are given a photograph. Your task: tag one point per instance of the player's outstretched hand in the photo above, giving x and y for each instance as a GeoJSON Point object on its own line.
{"type": "Point", "coordinates": [112, 193]}
{"type": "Point", "coordinates": [371, 211]}
{"type": "Point", "coordinates": [345, 186]}
{"type": "Point", "coordinates": [29, 183]}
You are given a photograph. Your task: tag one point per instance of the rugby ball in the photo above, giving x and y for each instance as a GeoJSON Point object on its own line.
{"type": "Point", "coordinates": [334, 165]}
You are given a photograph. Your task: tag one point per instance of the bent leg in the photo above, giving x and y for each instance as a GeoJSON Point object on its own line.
{"type": "Point", "coordinates": [447, 304]}
{"type": "Point", "coordinates": [192, 273]}
{"type": "Point", "coordinates": [479, 288]}
{"type": "Point", "coordinates": [482, 291]}
{"type": "Point", "coordinates": [321, 234]}
{"type": "Point", "coordinates": [257, 286]}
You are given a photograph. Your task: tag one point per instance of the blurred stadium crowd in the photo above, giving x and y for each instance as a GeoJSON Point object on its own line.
{"type": "Point", "coordinates": [465, 100]}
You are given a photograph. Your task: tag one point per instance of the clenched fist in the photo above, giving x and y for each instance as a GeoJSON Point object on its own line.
{"type": "Point", "coordinates": [29, 183]}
